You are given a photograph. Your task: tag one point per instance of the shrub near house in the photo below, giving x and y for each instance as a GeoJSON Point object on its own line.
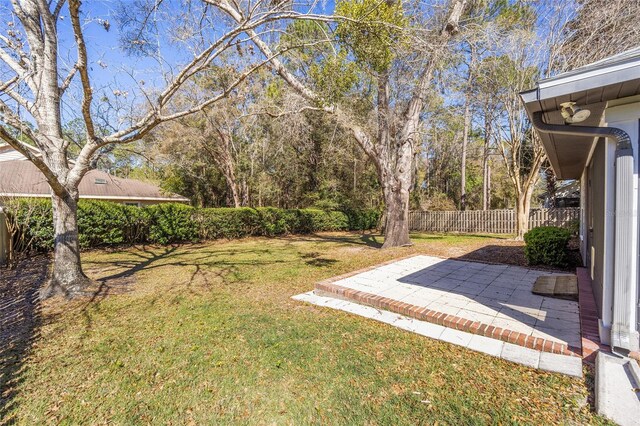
{"type": "Point", "coordinates": [104, 223]}
{"type": "Point", "coordinates": [547, 245]}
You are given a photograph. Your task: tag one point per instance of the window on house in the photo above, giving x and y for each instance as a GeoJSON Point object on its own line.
{"type": "Point", "coordinates": [100, 181]}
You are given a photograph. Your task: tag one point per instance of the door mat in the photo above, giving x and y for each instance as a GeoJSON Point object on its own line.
{"type": "Point", "coordinates": [558, 286]}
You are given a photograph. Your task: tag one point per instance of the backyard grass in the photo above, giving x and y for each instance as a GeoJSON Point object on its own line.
{"type": "Point", "coordinates": [208, 334]}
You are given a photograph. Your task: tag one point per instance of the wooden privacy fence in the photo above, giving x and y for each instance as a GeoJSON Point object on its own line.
{"type": "Point", "coordinates": [488, 221]}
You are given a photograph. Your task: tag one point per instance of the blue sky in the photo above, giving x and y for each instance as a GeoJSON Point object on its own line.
{"type": "Point", "coordinates": [112, 69]}
{"type": "Point", "coordinates": [105, 55]}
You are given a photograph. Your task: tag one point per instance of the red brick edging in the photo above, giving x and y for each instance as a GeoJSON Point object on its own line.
{"type": "Point", "coordinates": [446, 320]}
{"type": "Point", "coordinates": [588, 318]}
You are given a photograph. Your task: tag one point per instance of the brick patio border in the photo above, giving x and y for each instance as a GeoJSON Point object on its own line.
{"type": "Point", "coordinates": [591, 343]}
{"type": "Point", "coordinates": [328, 288]}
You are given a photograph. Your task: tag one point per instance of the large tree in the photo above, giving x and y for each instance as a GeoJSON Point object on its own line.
{"type": "Point", "coordinates": [36, 82]}
{"type": "Point", "coordinates": [373, 32]}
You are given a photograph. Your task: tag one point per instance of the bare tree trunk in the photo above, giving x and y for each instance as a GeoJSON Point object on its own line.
{"type": "Point", "coordinates": [355, 173]}
{"type": "Point", "coordinates": [523, 207]}
{"type": "Point", "coordinates": [396, 228]}
{"type": "Point", "coordinates": [230, 177]}
{"type": "Point", "coordinates": [488, 196]}
{"type": "Point", "coordinates": [396, 189]}
{"type": "Point", "coordinates": [485, 165]}
{"type": "Point", "coordinates": [467, 127]}
{"type": "Point", "coordinates": [394, 165]}
{"type": "Point", "coordinates": [67, 278]}
{"type": "Point", "coordinates": [485, 182]}
{"type": "Point", "coordinates": [463, 162]}
{"type": "Point", "coordinates": [552, 187]}
{"type": "Point", "coordinates": [246, 199]}
{"type": "Point", "coordinates": [236, 196]}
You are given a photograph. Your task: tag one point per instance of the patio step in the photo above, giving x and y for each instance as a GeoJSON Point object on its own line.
{"type": "Point", "coordinates": [329, 289]}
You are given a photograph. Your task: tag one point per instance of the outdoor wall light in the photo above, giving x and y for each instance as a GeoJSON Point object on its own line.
{"type": "Point", "coordinates": [573, 113]}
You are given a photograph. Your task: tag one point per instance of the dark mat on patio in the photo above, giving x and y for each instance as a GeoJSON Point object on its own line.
{"type": "Point", "coordinates": [558, 286]}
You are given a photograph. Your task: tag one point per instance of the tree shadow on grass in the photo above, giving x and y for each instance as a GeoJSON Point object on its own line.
{"type": "Point", "coordinates": [198, 268]}
{"type": "Point", "coordinates": [375, 240]}
{"type": "Point", "coordinates": [121, 281]}
{"type": "Point", "coordinates": [20, 321]}
{"type": "Point", "coordinates": [316, 259]}
{"type": "Point", "coordinates": [196, 263]}
{"type": "Point", "coordinates": [366, 239]}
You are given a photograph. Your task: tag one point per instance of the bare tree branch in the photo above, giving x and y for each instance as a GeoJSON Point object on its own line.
{"type": "Point", "coordinates": [235, 13]}
{"type": "Point", "coordinates": [81, 66]}
{"type": "Point", "coordinates": [68, 79]}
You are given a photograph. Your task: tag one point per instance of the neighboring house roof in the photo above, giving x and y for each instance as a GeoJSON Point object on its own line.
{"type": "Point", "coordinates": [591, 87]}
{"type": "Point", "coordinates": [568, 189]}
{"type": "Point", "coordinates": [21, 178]}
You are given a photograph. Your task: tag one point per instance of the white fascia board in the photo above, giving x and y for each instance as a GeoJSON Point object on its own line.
{"type": "Point", "coordinates": [23, 195]}
{"type": "Point", "coordinates": [97, 197]}
{"type": "Point", "coordinates": [571, 77]}
{"type": "Point", "coordinates": [133, 198]}
{"type": "Point", "coordinates": [588, 80]}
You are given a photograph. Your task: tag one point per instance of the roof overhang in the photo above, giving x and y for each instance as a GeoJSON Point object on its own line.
{"type": "Point", "coordinates": [590, 87]}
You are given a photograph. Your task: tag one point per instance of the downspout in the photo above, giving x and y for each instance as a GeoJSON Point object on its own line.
{"type": "Point", "coordinates": [623, 337]}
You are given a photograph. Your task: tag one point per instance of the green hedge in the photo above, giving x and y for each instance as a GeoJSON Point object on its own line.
{"type": "Point", "coordinates": [103, 223]}
{"type": "Point", "coordinates": [547, 245]}
{"type": "Point", "coordinates": [267, 221]}
{"type": "Point", "coordinates": [171, 223]}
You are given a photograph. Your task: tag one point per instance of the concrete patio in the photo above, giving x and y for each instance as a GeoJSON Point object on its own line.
{"type": "Point", "coordinates": [485, 307]}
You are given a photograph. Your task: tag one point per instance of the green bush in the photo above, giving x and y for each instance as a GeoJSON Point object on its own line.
{"type": "Point", "coordinates": [30, 221]}
{"type": "Point", "coordinates": [104, 223]}
{"type": "Point", "coordinates": [171, 223]}
{"type": "Point", "coordinates": [360, 220]}
{"type": "Point", "coordinates": [547, 245]}
{"type": "Point", "coordinates": [313, 220]}
{"type": "Point", "coordinates": [217, 223]}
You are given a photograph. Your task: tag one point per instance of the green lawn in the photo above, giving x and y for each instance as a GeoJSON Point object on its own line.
{"type": "Point", "coordinates": [206, 334]}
